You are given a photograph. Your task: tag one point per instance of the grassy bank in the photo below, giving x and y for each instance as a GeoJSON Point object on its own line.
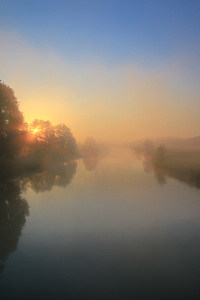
{"type": "Point", "coordinates": [182, 164]}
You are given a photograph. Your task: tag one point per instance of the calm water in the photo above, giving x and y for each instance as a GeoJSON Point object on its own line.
{"type": "Point", "coordinates": [100, 230]}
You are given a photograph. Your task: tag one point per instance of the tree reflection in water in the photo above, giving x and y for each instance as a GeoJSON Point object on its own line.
{"type": "Point", "coordinates": [92, 152]}
{"type": "Point", "coordinates": [13, 212]}
{"type": "Point", "coordinates": [182, 169]}
{"type": "Point", "coordinates": [59, 174]}
{"type": "Point", "coordinates": [90, 163]}
{"type": "Point", "coordinates": [14, 209]}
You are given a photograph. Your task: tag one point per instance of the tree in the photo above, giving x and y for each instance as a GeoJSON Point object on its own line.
{"type": "Point", "coordinates": [90, 147]}
{"type": "Point", "coordinates": [159, 156]}
{"type": "Point", "coordinates": [57, 140]}
{"type": "Point", "coordinates": [42, 130]}
{"type": "Point", "coordinates": [41, 134]}
{"type": "Point", "coordinates": [65, 140]}
{"type": "Point", "coordinates": [12, 126]}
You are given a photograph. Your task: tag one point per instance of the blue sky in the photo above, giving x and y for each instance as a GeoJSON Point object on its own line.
{"type": "Point", "coordinates": [113, 30]}
{"type": "Point", "coordinates": [88, 45]}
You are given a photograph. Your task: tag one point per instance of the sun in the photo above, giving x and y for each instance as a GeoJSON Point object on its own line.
{"type": "Point", "coordinates": [35, 130]}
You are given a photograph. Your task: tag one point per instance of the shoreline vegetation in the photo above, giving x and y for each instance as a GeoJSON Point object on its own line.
{"type": "Point", "coordinates": [30, 146]}
{"type": "Point", "coordinates": [26, 149]}
{"type": "Point", "coordinates": [38, 146]}
{"type": "Point", "coordinates": [41, 155]}
{"type": "Point", "coordinates": [180, 161]}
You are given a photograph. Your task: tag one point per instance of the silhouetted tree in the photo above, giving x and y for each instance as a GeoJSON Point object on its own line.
{"type": "Point", "coordinates": [42, 140]}
{"type": "Point", "coordinates": [57, 141]}
{"type": "Point", "coordinates": [12, 126]}
{"type": "Point", "coordinates": [42, 130]}
{"type": "Point", "coordinates": [65, 140]}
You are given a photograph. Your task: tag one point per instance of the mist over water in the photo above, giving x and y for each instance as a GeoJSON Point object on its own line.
{"type": "Point", "coordinates": [109, 232]}
{"type": "Point", "coordinates": [99, 150]}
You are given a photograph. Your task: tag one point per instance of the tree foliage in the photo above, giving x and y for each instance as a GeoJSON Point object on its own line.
{"type": "Point", "coordinates": [12, 126]}
{"type": "Point", "coordinates": [40, 138]}
{"type": "Point", "coordinates": [56, 140]}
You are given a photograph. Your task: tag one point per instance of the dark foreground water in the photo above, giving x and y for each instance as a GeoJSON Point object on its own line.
{"type": "Point", "coordinates": [106, 231]}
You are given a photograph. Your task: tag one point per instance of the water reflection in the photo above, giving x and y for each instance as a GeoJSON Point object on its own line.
{"type": "Point", "coordinates": [90, 163]}
{"type": "Point", "coordinates": [92, 152]}
{"type": "Point", "coordinates": [56, 175]}
{"type": "Point", "coordinates": [188, 174]}
{"type": "Point", "coordinates": [113, 239]}
{"type": "Point", "coordinates": [13, 212]}
{"type": "Point", "coordinates": [14, 209]}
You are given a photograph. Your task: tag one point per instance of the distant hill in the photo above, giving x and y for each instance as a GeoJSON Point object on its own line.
{"type": "Point", "coordinates": [179, 142]}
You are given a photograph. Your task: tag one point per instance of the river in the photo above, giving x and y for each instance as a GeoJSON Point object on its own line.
{"type": "Point", "coordinates": [104, 229]}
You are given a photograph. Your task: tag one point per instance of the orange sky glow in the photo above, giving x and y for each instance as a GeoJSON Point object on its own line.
{"type": "Point", "coordinates": [111, 103]}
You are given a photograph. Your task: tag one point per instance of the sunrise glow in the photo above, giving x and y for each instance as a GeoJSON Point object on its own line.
{"type": "Point", "coordinates": [34, 131]}
{"type": "Point", "coordinates": [99, 149]}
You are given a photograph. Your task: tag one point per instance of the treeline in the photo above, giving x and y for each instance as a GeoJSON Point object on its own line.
{"type": "Point", "coordinates": [182, 164]}
{"type": "Point", "coordinates": [92, 152]}
{"type": "Point", "coordinates": [38, 140]}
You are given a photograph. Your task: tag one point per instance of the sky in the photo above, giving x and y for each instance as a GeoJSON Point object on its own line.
{"type": "Point", "coordinates": [116, 70]}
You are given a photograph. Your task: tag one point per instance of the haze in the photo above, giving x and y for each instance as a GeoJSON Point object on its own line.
{"type": "Point", "coordinates": [114, 70]}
